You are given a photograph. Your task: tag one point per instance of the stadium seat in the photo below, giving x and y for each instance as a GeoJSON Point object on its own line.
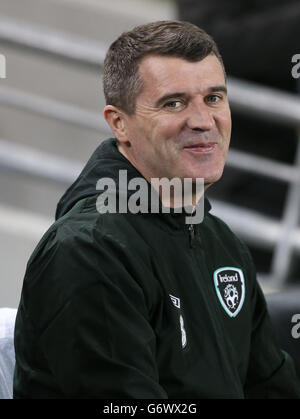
{"type": "Point", "coordinates": [283, 306]}
{"type": "Point", "coordinates": [7, 352]}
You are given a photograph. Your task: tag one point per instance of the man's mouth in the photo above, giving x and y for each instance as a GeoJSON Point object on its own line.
{"type": "Point", "coordinates": [203, 147]}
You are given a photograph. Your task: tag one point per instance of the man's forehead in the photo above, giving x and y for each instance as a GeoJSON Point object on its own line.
{"type": "Point", "coordinates": [159, 72]}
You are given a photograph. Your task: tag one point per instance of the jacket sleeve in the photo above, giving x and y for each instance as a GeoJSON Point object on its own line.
{"type": "Point", "coordinates": [256, 40]}
{"type": "Point", "coordinates": [96, 337]}
{"type": "Point", "coordinates": [271, 371]}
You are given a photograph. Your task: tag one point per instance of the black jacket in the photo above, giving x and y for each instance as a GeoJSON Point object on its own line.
{"type": "Point", "coordinates": [134, 306]}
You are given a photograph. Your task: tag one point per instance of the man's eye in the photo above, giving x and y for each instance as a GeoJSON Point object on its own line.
{"type": "Point", "coordinates": [214, 98]}
{"type": "Point", "coordinates": [174, 104]}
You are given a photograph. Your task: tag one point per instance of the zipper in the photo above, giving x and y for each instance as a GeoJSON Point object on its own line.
{"type": "Point", "coordinates": [191, 235]}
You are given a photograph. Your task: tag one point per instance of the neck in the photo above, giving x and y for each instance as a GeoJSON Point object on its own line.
{"type": "Point", "coordinates": [174, 193]}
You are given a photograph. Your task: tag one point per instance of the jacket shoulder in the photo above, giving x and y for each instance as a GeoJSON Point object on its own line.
{"type": "Point", "coordinates": [80, 250]}
{"type": "Point", "coordinates": [223, 229]}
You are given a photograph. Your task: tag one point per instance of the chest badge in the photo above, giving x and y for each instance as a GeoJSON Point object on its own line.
{"type": "Point", "coordinates": [230, 288]}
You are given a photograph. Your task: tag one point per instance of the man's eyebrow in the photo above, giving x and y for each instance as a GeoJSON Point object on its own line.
{"type": "Point", "coordinates": [164, 98]}
{"type": "Point", "coordinates": [221, 88]}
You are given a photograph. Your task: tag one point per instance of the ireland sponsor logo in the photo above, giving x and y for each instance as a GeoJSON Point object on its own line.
{"type": "Point", "coordinates": [230, 287]}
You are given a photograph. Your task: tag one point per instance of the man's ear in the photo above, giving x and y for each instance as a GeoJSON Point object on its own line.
{"type": "Point", "coordinates": [116, 120]}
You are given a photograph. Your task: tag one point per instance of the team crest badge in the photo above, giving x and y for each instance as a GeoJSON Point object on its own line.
{"type": "Point", "coordinates": [230, 288]}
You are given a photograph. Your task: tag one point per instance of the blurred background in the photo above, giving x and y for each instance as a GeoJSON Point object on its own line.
{"type": "Point", "coordinates": [51, 121]}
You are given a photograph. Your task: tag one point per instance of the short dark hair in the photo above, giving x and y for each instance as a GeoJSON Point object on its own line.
{"type": "Point", "coordinates": [121, 80]}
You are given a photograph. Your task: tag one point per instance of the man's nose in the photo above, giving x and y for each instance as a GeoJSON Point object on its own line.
{"type": "Point", "coordinates": [200, 117]}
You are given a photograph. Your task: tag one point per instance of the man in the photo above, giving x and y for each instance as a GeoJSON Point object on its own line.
{"type": "Point", "coordinates": [142, 304]}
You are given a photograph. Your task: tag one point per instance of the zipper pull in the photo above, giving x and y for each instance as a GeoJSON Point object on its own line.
{"type": "Point", "coordinates": [191, 234]}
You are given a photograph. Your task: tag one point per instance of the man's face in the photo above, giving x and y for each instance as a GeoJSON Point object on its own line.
{"type": "Point", "coordinates": [182, 123]}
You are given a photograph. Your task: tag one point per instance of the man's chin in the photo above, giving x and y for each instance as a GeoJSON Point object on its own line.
{"type": "Point", "coordinates": [207, 185]}
{"type": "Point", "coordinates": [209, 179]}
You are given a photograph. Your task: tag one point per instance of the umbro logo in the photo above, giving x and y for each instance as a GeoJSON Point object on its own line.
{"type": "Point", "coordinates": [176, 302]}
